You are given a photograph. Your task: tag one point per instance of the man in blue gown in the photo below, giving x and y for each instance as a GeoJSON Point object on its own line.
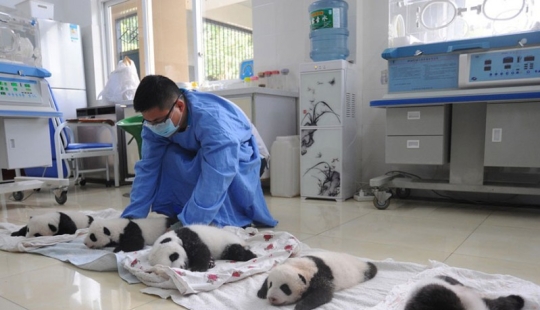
{"type": "Point", "coordinates": [200, 161]}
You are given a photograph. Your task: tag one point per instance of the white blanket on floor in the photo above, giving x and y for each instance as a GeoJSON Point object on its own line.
{"type": "Point", "coordinates": [66, 248]}
{"type": "Point", "coordinates": [387, 291]}
{"type": "Point", "coordinates": [23, 244]}
{"type": "Point", "coordinates": [271, 248]}
{"type": "Point", "coordinates": [238, 283]}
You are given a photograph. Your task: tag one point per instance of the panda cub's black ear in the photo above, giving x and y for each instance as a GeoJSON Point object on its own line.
{"type": "Point", "coordinates": [302, 278]}
{"type": "Point", "coordinates": [106, 231]}
{"type": "Point", "coordinates": [53, 228]}
{"type": "Point", "coordinates": [263, 290]}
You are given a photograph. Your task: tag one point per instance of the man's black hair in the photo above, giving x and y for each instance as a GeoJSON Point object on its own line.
{"type": "Point", "coordinates": [155, 91]}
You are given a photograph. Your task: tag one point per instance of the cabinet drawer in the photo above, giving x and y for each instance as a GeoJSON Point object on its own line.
{"type": "Point", "coordinates": [417, 121]}
{"type": "Point", "coordinates": [421, 150]}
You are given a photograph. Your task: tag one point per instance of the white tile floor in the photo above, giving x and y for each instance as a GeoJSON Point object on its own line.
{"type": "Point", "coordinates": [489, 239]}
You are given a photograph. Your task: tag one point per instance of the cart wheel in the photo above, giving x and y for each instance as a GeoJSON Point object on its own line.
{"type": "Point", "coordinates": [62, 198]}
{"type": "Point", "coordinates": [82, 182]}
{"type": "Point", "coordinates": [403, 193]}
{"type": "Point", "coordinates": [381, 205]}
{"type": "Point", "coordinates": [109, 183]}
{"type": "Point", "coordinates": [18, 196]}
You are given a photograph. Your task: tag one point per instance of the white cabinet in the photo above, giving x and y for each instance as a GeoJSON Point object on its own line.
{"type": "Point", "coordinates": [328, 130]}
{"type": "Point", "coordinates": [24, 142]}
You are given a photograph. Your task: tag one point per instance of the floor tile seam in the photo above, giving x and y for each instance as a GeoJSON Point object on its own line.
{"type": "Point", "coordinates": [396, 244]}
{"type": "Point", "coordinates": [499, 259]}
{"type": "Point", "coordinates": [31, 270]}
{"type": "Point", "coordinates": [423, 217]}
{"type": "Point", "coordinates": [404, 246]}
{"type": "Point", "coordinates": [13, 302]}
{"type": "Point", "coordinates": [340, 224]}
{"type": "Point", "coordinates": [471, 233]}
{"type": "Point", "coordinates": [384, 243]}
{"type": "Point", "coordinates": [144, 304]}
{"type": "Point", "coordinates": [517, 227]}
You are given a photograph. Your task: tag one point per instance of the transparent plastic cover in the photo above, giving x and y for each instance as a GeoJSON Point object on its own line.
{"type": "Point", "coordinates": [427, 21]}
{"type": "Point", "coordinates": [19, 40]}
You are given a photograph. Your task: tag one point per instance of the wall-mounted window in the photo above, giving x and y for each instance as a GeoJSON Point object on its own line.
{"type": "Point", "coordinates": [188, 40]}
{"type": "Point", "coordinates": [127, 38]}
{"type": "Point", "coordinates": [225, 46]}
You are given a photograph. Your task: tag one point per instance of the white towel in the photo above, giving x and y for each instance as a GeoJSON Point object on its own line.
{"type": "Point", "coordinates": [243, 294]}
{"type": "Point", "coordinates": [271, 248]}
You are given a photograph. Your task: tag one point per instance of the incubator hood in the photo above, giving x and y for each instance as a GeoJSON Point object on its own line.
{"type": "Point", "coordinates": [413, 22]}
{"type": "Point", "coordinates": [19, 40]}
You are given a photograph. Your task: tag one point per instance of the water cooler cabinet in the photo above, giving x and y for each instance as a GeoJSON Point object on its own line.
{"type": "Point", "coordinates": [328, 130]}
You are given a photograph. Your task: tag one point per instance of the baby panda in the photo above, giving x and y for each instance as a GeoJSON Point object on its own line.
{"type": "Point", "coordinates": [125, 234]}
{"type": "Point", "coordinates": [168, 251]}
{"type": "Point", "coordinates": [312, 280]}
{"type": "Point", "coordinates": [446, 293]}
{"type": "Point", "coordinates": [204, 243]}
{"type": "Point", "coordinates": [54, 223]}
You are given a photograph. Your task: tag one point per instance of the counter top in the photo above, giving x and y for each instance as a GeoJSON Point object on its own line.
{"type": "Point", "coordinates": [254, 90]}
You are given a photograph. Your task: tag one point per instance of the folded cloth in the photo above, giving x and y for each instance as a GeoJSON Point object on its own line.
{"type": "Point", "coordinates": [271, 248]}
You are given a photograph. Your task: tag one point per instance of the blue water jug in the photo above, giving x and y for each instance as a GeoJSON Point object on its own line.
{"type": "Point", "coordinates": [329, 33]}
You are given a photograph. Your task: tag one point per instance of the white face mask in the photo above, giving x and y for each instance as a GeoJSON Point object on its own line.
{"type": "Point", "coordinates": [165, 129]}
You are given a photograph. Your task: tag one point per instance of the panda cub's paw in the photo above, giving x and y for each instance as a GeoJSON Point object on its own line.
{"type": "Point", "coordinates": [211, 263]}
{"type": "Point", "coordinates": [168, 251]}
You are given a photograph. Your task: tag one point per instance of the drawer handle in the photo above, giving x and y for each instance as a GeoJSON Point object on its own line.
{"type": "Point", "coordinates": [412, 115]}
{"type": "Point", "coordinates": [413, 144]}
{"type": "Point", "coordinates": [496, 135]}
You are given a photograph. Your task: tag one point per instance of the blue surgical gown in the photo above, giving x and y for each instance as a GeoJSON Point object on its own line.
{"type": "Point", "coordinates": [208, 173]}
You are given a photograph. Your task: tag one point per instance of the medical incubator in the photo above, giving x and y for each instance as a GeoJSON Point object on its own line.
{"type": "Point", "coordinates": [462, 92]}
{"type": "Point", "coordinates": [25, 107]}
{"type": "Point", "coordinates": [413, 22]}
{"type": "Point", "coordinates": [33, 134]}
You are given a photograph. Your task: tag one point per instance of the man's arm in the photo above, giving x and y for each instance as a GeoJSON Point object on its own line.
{"type": "Point", "coordinates": [147, 175]}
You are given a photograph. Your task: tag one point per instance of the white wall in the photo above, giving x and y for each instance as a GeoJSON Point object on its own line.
{"type": "Point", "coordinates": [281, 39]}
{"type": "Point", "coordinates": [85, 13]}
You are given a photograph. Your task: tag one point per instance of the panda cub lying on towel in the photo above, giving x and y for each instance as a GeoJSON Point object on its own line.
{"type": "Point", "coordinates": [312, 280]}
{"type": "Point", "coordinates": [446, 293]}
{"type": "Point", "coordinates": [195, 247]}
{"type": "Point", "coordinates": [125, 234]}
{"type": "Point", "coordinates": [54, 223]}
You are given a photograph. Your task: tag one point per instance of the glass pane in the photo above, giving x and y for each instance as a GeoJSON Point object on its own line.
{"type": "Point", "coordinates": [227, 38]}
{"type": "Point", "coordinates": [170, 44]}
{"type": "Point", "coordinates": [171, 23]}
{"type": "Point", "coordinates": [125, 23]}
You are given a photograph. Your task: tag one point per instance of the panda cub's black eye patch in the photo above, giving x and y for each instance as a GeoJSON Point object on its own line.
{"type": "Point", "coordinates": [286, 289]}
{"type": "Point", "coordinates": [166, 240]}
{"type": "Point", "coordinates": [93, 238]}
{"type": "Point", "coordinates": [174, 256]}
